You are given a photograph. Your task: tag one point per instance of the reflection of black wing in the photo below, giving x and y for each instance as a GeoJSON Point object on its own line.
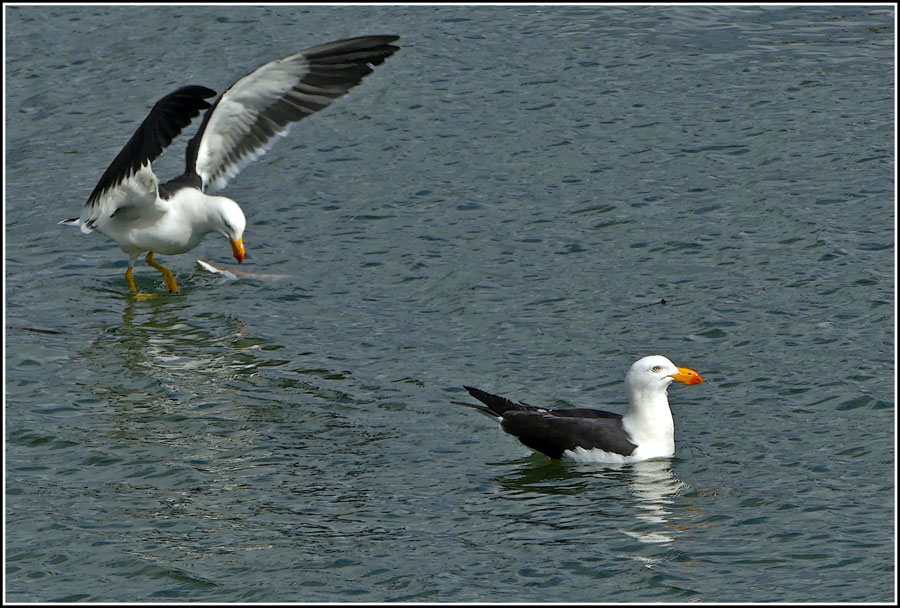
{"type": "Point", "coordinates": [552, 433]}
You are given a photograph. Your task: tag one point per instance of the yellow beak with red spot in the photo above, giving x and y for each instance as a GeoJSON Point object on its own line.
{"type": "Point", "coordinates": [687, 376]}
{"type": "Point", "coordinates": [237, 247]}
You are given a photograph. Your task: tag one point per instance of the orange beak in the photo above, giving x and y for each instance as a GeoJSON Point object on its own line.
{"type": "Point", "coordinates": [687, 376]}
{"type": "Point", "coordinates": [237, 247]}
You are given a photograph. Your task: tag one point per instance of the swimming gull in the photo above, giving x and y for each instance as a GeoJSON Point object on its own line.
{"type": "Point", "coordinates": [587, 435]}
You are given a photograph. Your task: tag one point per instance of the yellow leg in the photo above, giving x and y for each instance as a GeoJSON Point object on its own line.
{"type": "Point", "coordinates": [129, 276]}
{"type": "Point", "coordinates": [168, 277]}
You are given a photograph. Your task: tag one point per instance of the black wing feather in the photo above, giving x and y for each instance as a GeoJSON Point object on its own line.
{"type": "Point", "coordinates": [168, 117]}
{"type": "Point", "coordinates": [498, 405]}
{"type": "Point", "coordinates": [552, 432]}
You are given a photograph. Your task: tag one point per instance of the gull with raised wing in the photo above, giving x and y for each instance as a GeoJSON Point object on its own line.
{"type": "Point", "coordinates": [131, 207]}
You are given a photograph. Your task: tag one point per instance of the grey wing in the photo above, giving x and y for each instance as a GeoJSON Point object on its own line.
{"type": "Point", "coordinates": [260, 108]}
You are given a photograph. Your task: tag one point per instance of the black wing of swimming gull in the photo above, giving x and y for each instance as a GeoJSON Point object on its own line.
{"type": "Point", "coordinates": [552, 432]}
{"type": "Point", "coordinates": [168, 117]}
{"type": "Point", "coordinates": [260, 108]}
{"type": "Point", "coordinates": [496, 406]}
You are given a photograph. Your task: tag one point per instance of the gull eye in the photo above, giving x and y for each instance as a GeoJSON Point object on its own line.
{"type": "Point", "coordinates": [656, 368]}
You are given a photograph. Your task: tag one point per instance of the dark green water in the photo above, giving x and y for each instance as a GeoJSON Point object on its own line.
{"type": "Point", "coordinates": [493, 207]}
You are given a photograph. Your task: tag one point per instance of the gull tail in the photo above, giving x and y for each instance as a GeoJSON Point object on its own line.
{"type": "Point", "coordinates": [496, 406]}
{"type": "Point", "coordinates": [484, 410]}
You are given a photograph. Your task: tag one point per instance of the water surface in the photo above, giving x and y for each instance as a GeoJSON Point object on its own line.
{"type": "Point", "coordinates": [497, 205]}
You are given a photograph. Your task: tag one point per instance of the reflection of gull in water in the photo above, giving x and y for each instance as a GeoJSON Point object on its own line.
{"type": "Point", "coordinates": [595, 504]}
{"type": "Point", "coordinates": [162, 360]}
{"type": "Point", "coordinates": [653, 486]}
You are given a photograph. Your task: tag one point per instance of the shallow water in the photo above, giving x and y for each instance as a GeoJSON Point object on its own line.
{"type": "Point", "coordinates": [502, 204]}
